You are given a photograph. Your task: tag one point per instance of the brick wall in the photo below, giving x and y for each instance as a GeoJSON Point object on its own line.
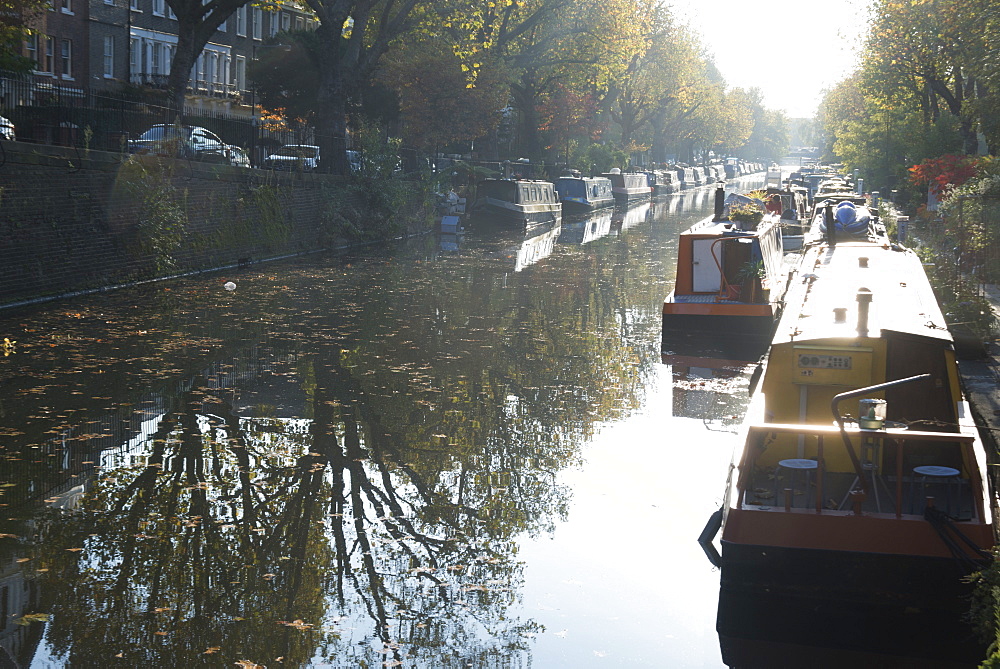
{"type": "Point", "coordinates": [72, 221]}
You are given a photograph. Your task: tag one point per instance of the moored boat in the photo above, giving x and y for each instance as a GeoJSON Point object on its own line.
{"type": "Point", "coordinates": [729, 277]}
{"type": "Point", "coordinates": [862, 476]}
{"type": "Point", "coordinates": [517, 201]}
{"type": "Point", "coordinates": [628, 186]}
{"type": "Point", "coordinates": [580, 194]}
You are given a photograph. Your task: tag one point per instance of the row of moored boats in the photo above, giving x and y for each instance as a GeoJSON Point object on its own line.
{"type": "Point", "coordinates": [860, 475]}
{"type": "Point", "coordinates": [530, 201]}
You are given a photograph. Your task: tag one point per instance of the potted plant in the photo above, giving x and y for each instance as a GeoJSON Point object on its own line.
{"type": "Point", "coordinates": [749, 275]}
{"type": "Point", "coordinates": [746, 216]}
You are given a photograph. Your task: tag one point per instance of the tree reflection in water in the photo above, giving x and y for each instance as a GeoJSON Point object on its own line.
{"type": "Point", "coordinates": [262, 538]}
{"type": "Point", "coordinates": [436, 404]}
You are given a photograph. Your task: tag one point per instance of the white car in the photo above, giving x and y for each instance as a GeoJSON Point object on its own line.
{"type": "Point", "coordinates": [303, 157]}
{"type": "Point", "coordinates": [6, 129]}
{"type": "Point", "coordinates": [184, 141]}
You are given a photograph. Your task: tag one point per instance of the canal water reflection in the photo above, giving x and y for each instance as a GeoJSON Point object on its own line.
{"type": "Point", "coordinates": [461, 451]}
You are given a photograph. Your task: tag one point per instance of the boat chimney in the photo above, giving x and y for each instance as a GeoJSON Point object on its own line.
{"type": "Point", "coordinates": [720, 202]}
{"type": "Point", "coordinates": [864, 302]}
{"type": "Point", "coordinates": [840, 314]}
{"type": "Point", "coordinates": [831, 235]}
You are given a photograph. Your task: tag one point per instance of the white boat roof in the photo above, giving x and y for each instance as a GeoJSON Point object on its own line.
{"type": "Point", "coordinates": [830, 278]}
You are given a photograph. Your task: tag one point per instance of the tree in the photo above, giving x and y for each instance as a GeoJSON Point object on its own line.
{"type": "Point", "coordinates": [197, 22]}
{"type": "Point", "coordinates": [15, 18]}
{"type": "Point", "coordinates": [354, 35]}
{"type": "Point", "coordinates": [286, 80]}
{"type": "Point", "coordinates": [918, 54]}
{"type": "Point", "coordinates": [438, 103]}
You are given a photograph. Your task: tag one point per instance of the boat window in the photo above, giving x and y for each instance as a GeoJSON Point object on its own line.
{"type": "Point", "coordinates": [571, 188]}
{"type": "Point", "coordinates": [498, 189]}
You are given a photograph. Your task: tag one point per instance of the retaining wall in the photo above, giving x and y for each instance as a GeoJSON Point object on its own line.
{"type": "Point", "coordinates": [74, 221]}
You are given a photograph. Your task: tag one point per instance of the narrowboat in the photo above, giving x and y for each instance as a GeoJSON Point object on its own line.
{"type": "Point", "coordinates": [861, 475]}
{"type": "Point", "coordinates": [580, 194]}
{"type": "Point", "coordinates": [628, 186]}
{"type": "Point", "coordinates": [517, 201]}
{"type": "Point", "coordinates": [729, 278]}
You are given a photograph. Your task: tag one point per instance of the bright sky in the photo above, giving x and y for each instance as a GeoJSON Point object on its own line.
{"type": "Point", "coordinates": [790, 49]}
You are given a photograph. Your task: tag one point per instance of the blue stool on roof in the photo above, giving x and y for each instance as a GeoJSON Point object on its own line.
{"type": "Point", "coordinates": [795, 465]}
{"type": "Point", "coordinates": [935, 475]}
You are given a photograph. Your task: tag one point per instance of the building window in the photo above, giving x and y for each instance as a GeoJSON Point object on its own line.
{"type": "Point", "coordinates": [300, 23]}
{"type": "Point", "coordinates": [241, 21]}
{"type": "Point", "coordinates": [241, 73]}
{"type": "Point", "coordinates": [258, 22]}
{"type": "Point", "coordinates": [156, 58]}
{"type": "Point", "coordinates": [134, 55]}
{"type": "Point", "coordinates": [49, 58]}
{"type": "Point", "coordinates": [134, 5]}
{"type": "Point", "coordinates": [273, 26]}
{"type": "Point", "coordinates": [159, 8]}
{"type": "Point", "coordinates": [286, 21]}
{"type": "Point", "coordinates": [66, 56]}
{"type": "Point", "coordinates": [66, 6]}
{"type": "Point", "coordinates": [109, 57]}
{"type": "Point", "coordinates": [31, 47]}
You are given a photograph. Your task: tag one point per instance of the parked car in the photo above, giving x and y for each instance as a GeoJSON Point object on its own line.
{"type": "Point", "coordinates": [238, 157]}
{"type": "Point", "coordinates": [303, 157]}
{"type": "Point", "coordinates": [6, 129]}
{"type": "Point", "coordinates": [185, 141]}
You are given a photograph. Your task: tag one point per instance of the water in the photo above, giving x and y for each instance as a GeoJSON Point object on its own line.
{"type": "Point", "coordinates": [464, 451]}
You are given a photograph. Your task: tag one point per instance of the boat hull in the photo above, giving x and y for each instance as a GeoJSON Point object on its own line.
{"type": "Point", "coordinates": [834, 558]}
{"type": "Point", "coordinates": [515, 214]}
{"type": "Point", "coordinates": [737, 320]}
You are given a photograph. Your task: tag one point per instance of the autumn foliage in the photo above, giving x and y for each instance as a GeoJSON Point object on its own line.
{"type": "Point", "coordinates": [945, 173]}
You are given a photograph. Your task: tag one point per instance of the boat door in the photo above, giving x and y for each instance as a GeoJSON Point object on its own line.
{"type": "Point", "coordinates": [705, 275]}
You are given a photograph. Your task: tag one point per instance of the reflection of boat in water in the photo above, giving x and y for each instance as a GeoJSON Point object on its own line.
{"type": "Point", "coordinates": [517, 201]}
{"type": "Point", "coordinates": [893, 507]}
{"type": "Point", "coordinates": [588, 229]}
{"type": "Point", "coordinates": [580, 194]}
{"type": "Point", "coordinates": [729, 278]}
{"type": "Point", "coordinates": [760, 631]}
{"type": "Point", "coordinates": [623, 218]}
{"type": "Point", "coordinates": [704, 385]}
{"type": "Point", "coordinates": [523, 248]}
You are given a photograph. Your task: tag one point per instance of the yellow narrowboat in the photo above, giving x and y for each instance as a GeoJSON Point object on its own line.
{"type": "Point", "coordinates": [862, 474]}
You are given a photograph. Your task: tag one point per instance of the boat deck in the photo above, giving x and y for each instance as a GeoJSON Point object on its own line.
{"type": "Point", "coordinates": [832, 493]}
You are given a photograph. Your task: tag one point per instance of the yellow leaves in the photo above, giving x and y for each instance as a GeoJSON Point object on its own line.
{"type": "Point", "coordinates": [247, 664]}
{"type": "Point", "coordinates": [8, 536]}
{"type": "Point", "coordinates": [33, 618]}
{"type": "Point", "coordinates": [211, 649]}
{"type": "Point", "coordinates": [296, 624]}
{"type": "Point", "coordinates": [74, 550]}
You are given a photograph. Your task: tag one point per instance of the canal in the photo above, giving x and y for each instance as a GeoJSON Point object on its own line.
{"type": "Point", "coordinates": [460, 451]}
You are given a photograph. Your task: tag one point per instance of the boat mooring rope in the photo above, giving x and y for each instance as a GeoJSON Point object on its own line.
{"type": "Point", "coordinates": [970, 556]}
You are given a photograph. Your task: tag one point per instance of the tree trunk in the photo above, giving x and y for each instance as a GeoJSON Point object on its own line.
{"type": "Point", "coordinates": [180, 69]}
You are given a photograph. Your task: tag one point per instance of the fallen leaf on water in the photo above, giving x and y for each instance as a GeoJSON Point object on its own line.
{"type": "Point", "coordinates": [74, 550]}
{"type": "Point", "coordinates": [212, 649]}
{"type": "Point", "coordinates": [247, 664]}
